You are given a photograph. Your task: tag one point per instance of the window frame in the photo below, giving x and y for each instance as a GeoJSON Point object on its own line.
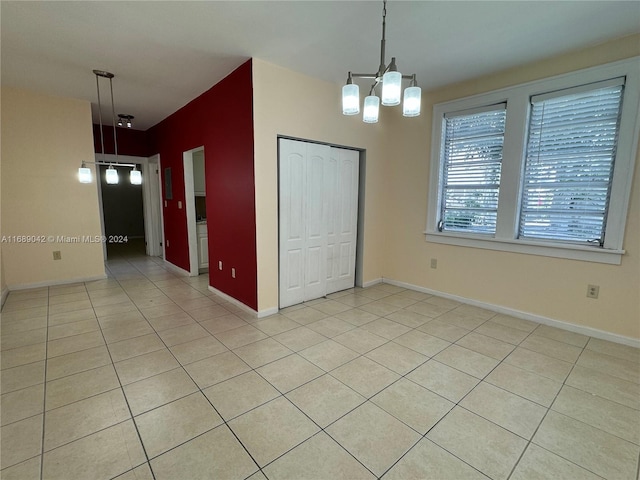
{"type": "Point", "coordinates": [518, 99]}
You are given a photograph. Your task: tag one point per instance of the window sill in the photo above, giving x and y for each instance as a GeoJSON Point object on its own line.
{"type": "Point", "coordinates": [545, 249]}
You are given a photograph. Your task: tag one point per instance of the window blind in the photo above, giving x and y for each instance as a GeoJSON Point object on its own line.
{"type": "Point", "coordinates": [472, 163]}
{"type": "Point", "coordinates": [569, 163]}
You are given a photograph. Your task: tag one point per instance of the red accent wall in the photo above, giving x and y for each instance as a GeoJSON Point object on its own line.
{"type": "Point", "coordinates": [130, 142]}
{"type": "Point", "coordinates": [221, 120]}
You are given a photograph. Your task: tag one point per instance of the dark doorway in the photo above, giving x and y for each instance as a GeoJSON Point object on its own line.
{"type": "Point", "coordinates": [123, 213]}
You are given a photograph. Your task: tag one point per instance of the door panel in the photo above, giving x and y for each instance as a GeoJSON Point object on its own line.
{"type": "Point", "coordinates": [346, 219]}
{"type": "Point", "coordinates": [291, 228]}
{"type": "Point", "coordinates": [315, 221]}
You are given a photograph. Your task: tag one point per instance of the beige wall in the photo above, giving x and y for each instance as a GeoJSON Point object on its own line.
{"type": "Point", "coordinates": [548, 287]}
{"type": "Point", "coordinates": [291, 104]}
{"type": "Point", "coordinates": [44, 140]}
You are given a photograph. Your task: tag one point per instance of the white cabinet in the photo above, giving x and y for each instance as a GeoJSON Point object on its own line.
{"type": "Point", "coordinates": [203, 246]}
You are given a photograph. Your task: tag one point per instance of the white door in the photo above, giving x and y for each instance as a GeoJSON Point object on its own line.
{"type": "Point", "coordinates": [318, 195]}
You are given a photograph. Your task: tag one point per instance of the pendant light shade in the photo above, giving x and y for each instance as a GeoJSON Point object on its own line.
{"type": "Point", "coordinates": [371, 109]}
{"type": "Point", "coordinates": [135, 177]}
{"type": "Point", "coordinates": [411, 103]}
{"type": "Point", "coordinates": [391, 88]}
{"type": "Point", "coordinates": [84, 174]}
{"type": "Point", "coordinates": [112, 175]}
{"type": "Point", "coordinates": [350, 99]}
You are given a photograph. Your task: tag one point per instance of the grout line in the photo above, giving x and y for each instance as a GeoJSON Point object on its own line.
{"type": "Point", "coordinates": [44, 390]}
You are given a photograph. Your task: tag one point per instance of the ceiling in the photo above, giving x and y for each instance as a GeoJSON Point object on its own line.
{"type": "Point", "coordinates": [166, 53]}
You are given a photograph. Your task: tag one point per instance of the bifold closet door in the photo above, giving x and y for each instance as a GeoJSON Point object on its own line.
{"type": "Point", "coordinates": [318, 220]}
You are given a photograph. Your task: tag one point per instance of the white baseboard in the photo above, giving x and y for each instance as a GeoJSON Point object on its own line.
{"type": "Point", "coordinates": [373, 282]}
{"type": "Point", "coordinates": [572, 327]}
{"type": "Point", "coordinates": [176, 269]}
{"type": "Point", "coordinates": [5, 293]}
{"type": "Point", "coordinates": [242, 306]}
{"type": "Point", "coordinates": [52, 283]}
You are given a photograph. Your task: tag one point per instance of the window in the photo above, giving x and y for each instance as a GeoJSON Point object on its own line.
{"type": "Point", "coordinates": [472, 163]}
{"type": "Point", "coordinates": [569, 163]}
{"type": "Point", "coordinates": [543, 168]}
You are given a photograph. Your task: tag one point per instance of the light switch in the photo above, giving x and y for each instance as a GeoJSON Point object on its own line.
{"type": "Point", "coordinates": [179, 204]}
{"type": "Point", "coordinates": [165, 204]}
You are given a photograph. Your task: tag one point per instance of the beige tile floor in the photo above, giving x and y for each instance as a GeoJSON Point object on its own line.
{"type": "Point", "coordinates": [149, 375]}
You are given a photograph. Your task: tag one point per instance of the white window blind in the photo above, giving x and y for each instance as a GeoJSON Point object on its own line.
{"type": "Point", "coordinates": [472, 163]}
{"type": "Point", "coordinates": [569, 162]}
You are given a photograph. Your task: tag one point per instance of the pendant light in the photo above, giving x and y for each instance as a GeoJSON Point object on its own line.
{"type": "Point", "coordinates": [84, 174]}
{"type": "Point", "coordinates": [412, 97]}
{"type": "Point", "coordinates": [111, 174]}
{"type": "Point", "coordinates": [391, 80]}
{"type": "Point", "coordinates": [371, 108]}
{"type": "Point", "coordinates": [391, 85]}
{"type": "Point", "coordinates": [135, 177]}
{"type": "Point", "coordinates": [350, 98]}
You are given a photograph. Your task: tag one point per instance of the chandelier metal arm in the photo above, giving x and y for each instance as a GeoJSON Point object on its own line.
{"type": "Point", "coordinates": [107, 164]}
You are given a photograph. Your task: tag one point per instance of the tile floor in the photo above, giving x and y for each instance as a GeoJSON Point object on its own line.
{"type": "Point", "coordinates": [149, 375]}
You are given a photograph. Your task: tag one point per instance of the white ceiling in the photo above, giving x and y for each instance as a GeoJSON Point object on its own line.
{"type": "Point", "coordinates": [166, 53]}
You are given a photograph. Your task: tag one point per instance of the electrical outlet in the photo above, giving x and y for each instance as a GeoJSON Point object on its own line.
{"type": "Point", "coordinates": [434, 263]}
{"type": "Point", "coordinates": [233, 273]}
{"type": "Point", "coordinates": [219, 264]}
{"type": "Point", "coordinates": [57, 255]}
{"type": "Point", "coordinates": [593, 291]}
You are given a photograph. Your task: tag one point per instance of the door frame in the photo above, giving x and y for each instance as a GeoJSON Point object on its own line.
{"type": "Point", "coordinates": [190, 208]}
{"type": "Point", "coordinates": [359, 267]}
{"type": "Point", "coordinates": [152, 195]}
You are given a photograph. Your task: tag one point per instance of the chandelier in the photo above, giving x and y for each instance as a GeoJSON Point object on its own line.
{"type": "Point", "coordinates": [391, 88]}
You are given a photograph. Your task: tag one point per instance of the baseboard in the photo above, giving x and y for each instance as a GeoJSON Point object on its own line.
{"type": "Point", "coordinates": [5, 293]}
{"type": "Point", "coordinates": [242, 306]}
{"type": "Point", "coordinates": [176, 269]}
{"type": "Point", "coordinates": [572, 327]}
{"type": "Point", "coordinates": [371, 283]}
{"type": "Point", "coordinates": [52, 283]}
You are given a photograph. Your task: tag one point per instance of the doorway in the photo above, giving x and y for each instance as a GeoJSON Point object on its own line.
{"type": "Point", "coordinates": [131, 211]}
{"type": "Point", "coordinates": [319, 203]}
{"type": "Point", "coordinates": [195, 205]}
{"type": "Point", "coordinates": [123, 214]}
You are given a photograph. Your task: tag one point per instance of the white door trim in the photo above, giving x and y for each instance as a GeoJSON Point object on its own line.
{"type": "Point", "coordinates": [152, 206]}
